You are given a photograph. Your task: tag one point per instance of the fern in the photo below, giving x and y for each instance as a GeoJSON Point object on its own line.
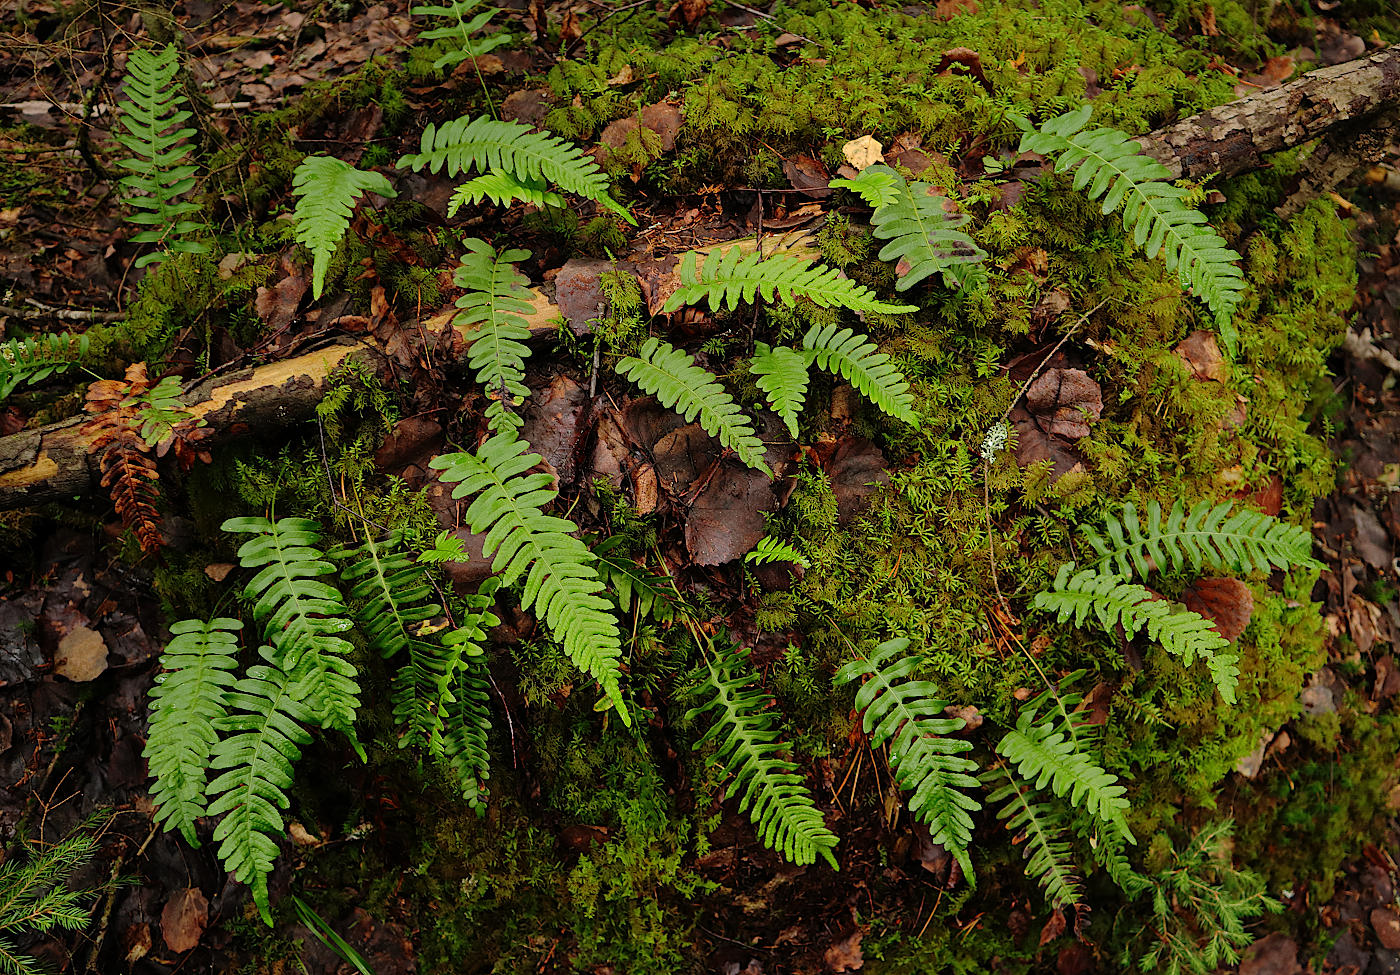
{"type": "Point", "coordinates": [852, 356]}
{"type": "Point", "coordinates": [495, 298]}
{"type": "Point", "coordinates": [560, 580]}
{"type": "Point", "coordinates": [265, 726]}
{"type": "Point", "coordinates": [672, 377]}
{"type": "Point", "coordinates": [1041, 827]}
{"type": "Point", "coordinates": [1216, 537]}
{"type": "Point", "coordinates": [326, 189]}
{"type": "Point", "coordinates": [1113, 168]}
{"type": "Point", "coordinates": [510, 147]}
{"type": "Point", "coordinates": [1050, 751]}
{"type": "Point", "coordinates": [920, 231]}
{"type": "Point", "coordinates": [502, 189]}
{"type": "Point", "coordinates": [729, 276]}
{"type": "Point", "coordinates": [457, 26]}
{"type": "Point", "coordinates": [151, 115]}
{"type": "Point", "coordinates": [446, 548]}
{"type": "Point", "coordinates": [197, 670]}
{"type": "Point", "coordinates": [770, 790]}
{"type": "Point", "coordinates": [300, 615]}
{"type": "Point", "coordinates": [771, 550]}
{"type": "Point", "coordinates": [877, 185]}
{"type": "Point", "coordinates": [35, 359]}
{"type": "Point", "coordinates": [159, 410]}
{"type": "Point", "coordinates": [909, 715]}
{"type": "Point", "coordinates": [782, 375]}
{"type": "Point", "coordinates": [632, 584]}
{"type": "Point", "coordinates": [1079, 595]}
{"type": "Point", "coordinates": [466, 716]}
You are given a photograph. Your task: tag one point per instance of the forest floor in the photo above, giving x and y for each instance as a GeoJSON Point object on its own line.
{"type": "Point", "coordinates": [73, 724]}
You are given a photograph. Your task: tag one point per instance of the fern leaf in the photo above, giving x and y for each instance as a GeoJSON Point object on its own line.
{"type": "Point", "coordinates": [908, 715]}
{"type": "Point", "coordinates": [326, 189]}
{"type": "Point", "coordinates": [35, 359]}
{"type": "Point", "coordinates": [1112, 601]}
{"type": "Point", "coordinates": [502, 189]}
{"type": "Point", "coordinates": [653, 595]}
{"type": "Point", "coordinates": [770, 790]}
{"type": "Point", "coordinates": [265, 726]}
{"type": "Point", "coordinates": [196, 670]}
{"type": "Point", "coordinates": [510, 147]}
{"type": "Point", "coordinates": [466, 723]}
{"type": "Point", "coordinates": [877, 185]}
{"type": "Point", "coordinates": [771, 550]}
{"type": "Point", "coordinates": [920, 230]}
{"type": "Point", "coordinates": [782, 375]}
{"type": "Point", "coordinates": [151, 115]}
{"type": "Point", "coordinates": [459, 22]}
{"type": "Point", "coordinates": [855, 358]}
{"type": "Point", "coordinates": [446, 548]}
{"type": "Point", "coordinates": [1046, 753]}
{"type": "Point", "coordinates": [560, 580]}
{"type": "Point", "coordinates": [300, 614]}
{"type": "Point", "coordinates": [495, 299]}
{"type": "Point", "coordinates": [1216, 537]}
{"type": "Point", "coordinates": [728, 277]}
{"type": "Point", "coordinates": [1040, 826]}
{"type": "Point", "coordinates": [1112, 167]}
{"type": "Point", "coordinates": [672, 377]}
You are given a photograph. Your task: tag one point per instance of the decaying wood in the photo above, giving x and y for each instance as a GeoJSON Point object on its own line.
{"type": "Point", "coordinates": [55, 462]}
{"type": "Point", "coordinates": [1234, 137]}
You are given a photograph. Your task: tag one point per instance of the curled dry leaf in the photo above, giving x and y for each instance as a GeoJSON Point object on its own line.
{"type": "Point", "coordinates": [1201, 353]}
{"type": "Point", "coordinates": [1228, 603]}
{"type": "Point", "coordinates": [1064, 402]}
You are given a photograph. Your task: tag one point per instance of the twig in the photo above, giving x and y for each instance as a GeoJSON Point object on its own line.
{"type": "Point", "coordinates": [772, 20]}
{"type": "Point", "coordinates": [62, 314]}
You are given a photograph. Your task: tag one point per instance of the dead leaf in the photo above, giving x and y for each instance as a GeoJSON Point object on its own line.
{"type": "Point", "coordinates": [277, 305]}
{"type": "Point", "coordinates": [218, 571]}
{"type": "Point", "coordinates": [846, 955]}
{"type": "Point", "coordinates": [1275, 954]}
{"type": "Point", "coordinates": [81, 655]}
{"type": "Point", "coordinates": [863, 152]}
{"type": "Point", "coordinates": [1034, 445]}
{"type": "Point", "coordinates": [1065, 401]}
{"type": "Point", "coordinates": [528, 106]}
{"type": "Point", "coordinates": [136, 939]}
{"type": "Point", "coordinates": [184, 919]}
{"type": "Point", "coordinates": [1371, 540]}
{"type": "Point", "coordinates": [727, 520]}
{"type": "Point", "coordinates": [1386, 924]}
{"type": "Point", "coordinates": [554, 424]}
{"type": "Point", "coordinates": [683, 456]}
{"type": "Point", "coordinates": [414, 439]}
{"type": "Point", "coordinates": [969, 59]}
{"type": "Point", "coordinates": [688, 12]}
{"type": "Point", "coordinates": [857, 469]}
{"type": "Point", "coordinates": [577, 290]}
{"type": "Point", "coordinates": [1054, 926]}
{"type": "Point", "coordinates": [1201, 353]}
{"type": "Point", "coordinates": [948, 9]}
{"type": "Point", "coordinates": [808, 175]}
{"type": "Point", "coordinates": [1228, 603]}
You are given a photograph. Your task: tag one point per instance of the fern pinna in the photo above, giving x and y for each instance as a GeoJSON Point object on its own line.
{"type": "Point", "coordinates": [510, 147]}
{"type": "Point", "coordinates": [772, 550]}
{"type": "Point", "coordinates": [466, 716]}
{"type": "Point", "coordinates": [672, 376]}
{"type": "Point", "coordinates": [502, 189]}
{"type": "Point", "coordinates": [1217, 537]}
{"type": "Point", "coordinates": [326, 189]}
{"type": "Point", "coordinates": [909, 715]}
{"type": "Point", "coordinates": [1082, 594]}
{"type": "Point", "coordinates": [561, 582]}
{"type": "Point", "coordinates": [770, 789]}
{"type": "Point", "coordinates": [457, 24]}
{"type": "Point", "coordinates": [35, 359]}
{"type": "Point", "coordinates": [197, 671]}
{"type": "Point", "coordinates": [853, 357]}
{"type": "Point", "coordinates": [151, 116]}
{"type": "Point", "coordinates": [1040, 826]}
{"type": "Point", "coordinates": [491, 318]}
{"type": "Point", "coordinates": [1112, 167]}
{"type": "Point", "coordinates": [921, 233]}
{"type": "Point", "coordinates": [301, 615]}
{"type": "Point", "coordinates": [782, 375]}
{"type": "Point", "coordinates": [728, 276]}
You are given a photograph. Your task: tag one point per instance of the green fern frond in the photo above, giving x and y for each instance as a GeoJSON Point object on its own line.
{"type": "Point", "coordinates": [909, 715]}
{"type": "Point", "coordinates": [1041, 827]}
{"type": "Point", "coordinates": [561, 582]}
{"type": "Point", "coordinates": [856, 359]}
{"type": "Point", "coordinates": [1216, 537]}
{"type": "Point", "coordinates": [196, 672]}
{"type": "Point", "coordinates": [728, 277]}
{"type": "Point", "coordinates": [502, 189]}
{"type": "Point", "coordinates": [392, 591]}
{"type": "Point", "coordinates": [771, 550]}
{"type": "Point", "coordinates": [265, 731]}
{"type": "Point", "coordinates": [672, 377]}
{"type": "Point", "coordinates": [920, 230]}
{"type": "Point", "coordinates": [510, 147]}
{"type": "Point", "coordinates": [150, 115]}
{"type": "Point", "coordinates": [1080, 595]}
{"type": "Point", "coordinates": [877, 185]}
{"type": "Point", "coordinates": [326, 189]}
{"type": "Point", "coordinates": [300, 615]}
{"type": "Point", "coordinates": [159, 410]}
{"type": "Point", "coordinates": [460, 20]}
{"type": "Point", "coordinates": [653, 595]}
{"type": "Point", "coordinates": [466, 721]}
{"type": "Point", "coordinates": [446, 548]}
{"type": "Point", "coordinates": [35, 359]}
{"type": "Point", "coordinates": [1112, 167]}
{"type": "Point", "coordinates": [782, 375]}
{"type": "Point", "coordinates": [494, 300]}
{"type": "Point", "coordinates": [770, 790]}
{"type": "Point", "coordinates": [1046, 752]}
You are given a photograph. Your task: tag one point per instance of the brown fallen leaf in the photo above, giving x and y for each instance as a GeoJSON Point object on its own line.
{"type": "Point", "coordinates": [81, 655]}
{"type": "Point", "coordinates": [846, 955]}
{"type": "Point", "coordinates": [1275, 954]}
{"type": "Point", "coordinates": [1386, 924]}
{"type": "Point", "coordinates": [726, 521]}
{"type": "Point", "coordinates": [969, 59]}
{"type": "Point", "coordinates": [1228, 603]}
{"type": "Point", "coordinates": [1202, 356]}
{"type": "Point", "coordinates": [277, 305]}
{"type": "Point", "coordinates": [529, 106]}
{"type": "Point", "coordinates": [1054, 926]}
{"type": "Point", "coordinates": [863, 152]}
{"type": "Point", "coordinates": [808, 175]}
{"type": "Point", "coordinates": [554, 424]}
{"type": "Point", "coordinates": [857, 469]}
{"type": "Point", "coordinates": [184, 919]}
{"type": "Point", "coordinates": [1064, 402]}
